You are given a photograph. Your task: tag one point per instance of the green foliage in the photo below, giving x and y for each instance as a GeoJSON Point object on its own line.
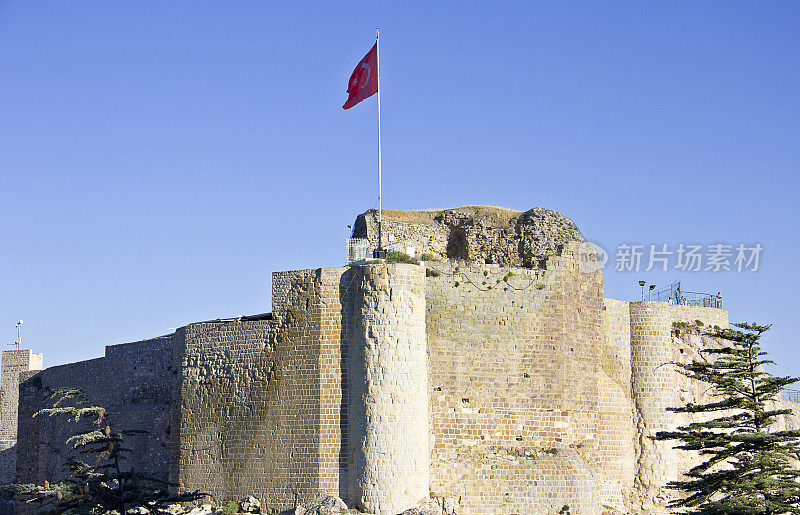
{"type": "Point", "coordinates": [103, 484]}
{"type": "Point", "coordinates": [541, 286]}
{"type": "Point", "coordinates": [430, 272]}
{"type": "Point", "coordinates": [395, 256]}
{"type": "Point", "coordinates": [747, 467]}
{"type": "Point", "coordinates": [428, 257]}
{"type": "Point", "coordinates": [230, 508]}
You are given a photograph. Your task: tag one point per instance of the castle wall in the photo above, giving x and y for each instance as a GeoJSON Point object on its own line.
{"type": "Point", "coordinates": [239, 397]}
{"type": "Point", "coordinates": [513, 386]}
{"type": "Point", "coordinates": [134, 382]}
{"type": "Point", "coordinates": [15, 364]}
{"type": "Point", "coordinates": [263, 404]}
{"type": "Point", "coordinates": [388, 422]}
{"type": "Point", "coordinates": [615, 430]}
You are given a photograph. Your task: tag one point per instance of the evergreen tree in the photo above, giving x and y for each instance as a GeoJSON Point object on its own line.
{"type": "Point", "coordinates": [748, 468]}
{"type": "Point", "coordinates": [103, 484]}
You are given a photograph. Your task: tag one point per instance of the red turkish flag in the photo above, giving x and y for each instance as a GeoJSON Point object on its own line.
{"type": "Point", "coordinates": [364, 80]}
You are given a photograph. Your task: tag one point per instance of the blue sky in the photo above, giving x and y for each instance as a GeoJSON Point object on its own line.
{"type": "Point", "coordinates": [158, 160]}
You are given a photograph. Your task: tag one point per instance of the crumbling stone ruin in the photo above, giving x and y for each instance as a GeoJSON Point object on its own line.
{"type": "Point", "coordinates": [492, 378]}
{"type": "Point", "coordinates": [479, 234]}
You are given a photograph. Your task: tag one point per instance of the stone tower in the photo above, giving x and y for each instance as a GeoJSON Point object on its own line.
{"type": "Point", "coordinates": [15, 364]}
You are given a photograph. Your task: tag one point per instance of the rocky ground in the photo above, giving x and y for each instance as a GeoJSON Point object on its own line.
{"type": "Point", "coordinates": [327, 505]}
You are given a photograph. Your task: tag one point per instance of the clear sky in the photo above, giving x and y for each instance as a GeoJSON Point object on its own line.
{"type": "Point", "coordinates": [158, 160]}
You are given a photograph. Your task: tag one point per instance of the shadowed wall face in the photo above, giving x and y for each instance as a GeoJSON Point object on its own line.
{"type": "Point", "coordinates": [134, 382]}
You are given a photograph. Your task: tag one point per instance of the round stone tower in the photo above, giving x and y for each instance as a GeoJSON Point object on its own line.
{"type": "Point", "coordinates": [653, 392]}
{"type": "Point", "coordinates": [388, 399]}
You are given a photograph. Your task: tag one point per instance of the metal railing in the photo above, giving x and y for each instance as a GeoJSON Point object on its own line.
{"type": "Point", "coordinates": [674, 294]}
{"type": "Point", "coordinates": [358, 249]}
{"type": "Point", "coordinates": [790, 395]}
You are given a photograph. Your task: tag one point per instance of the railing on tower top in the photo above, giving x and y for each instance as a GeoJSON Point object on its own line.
{"type": "Point", "coordinates": [790, 395]}
{"type": "Point", "coordinates": [358, 249]}
{"type": "Point", "coordinates": [674, 294]}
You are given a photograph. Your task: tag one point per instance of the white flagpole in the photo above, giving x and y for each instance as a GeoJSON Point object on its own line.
{"type": "Point", "coordinates": [378, 77]}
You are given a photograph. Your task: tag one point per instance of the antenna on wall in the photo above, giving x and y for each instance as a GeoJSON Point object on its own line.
{"type": "Point", "coordinates": [19, 335]}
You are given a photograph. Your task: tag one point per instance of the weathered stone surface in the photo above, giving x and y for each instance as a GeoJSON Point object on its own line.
{"type": "Point", "coordinates": [326, 505]}
{"type": "Point", "coordinates": [426, 507]}
{"type": "Point", "coordinates": [171, 509]}
{"type": "Point", "coordinates": [480, 234]}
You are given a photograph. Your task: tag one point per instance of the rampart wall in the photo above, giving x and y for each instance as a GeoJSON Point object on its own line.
{"type": "Point", "coordinates": [512, 390]}
{"type": "Point", "coordinates": [134, 381]}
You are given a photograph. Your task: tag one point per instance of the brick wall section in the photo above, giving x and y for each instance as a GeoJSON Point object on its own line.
{"type": "Point", "coordinates": [15, 364]}
{"type": "Point", "coordinates": [513, 372]}
{"type": "Point", "coordinates": [243, 424]}
{"type": "Point", "coordinates": [263, 404]}
{"type": "Point", "coordinates": [134, 382]}
{"type": "Point", "coordinates": [336, 287]}
{"type": "Point", "coordinates": [615, 415]}
{"type": "Point", "coordinates": [388, 423]}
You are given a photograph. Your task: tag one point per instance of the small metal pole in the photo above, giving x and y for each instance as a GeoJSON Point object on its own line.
{"type": "Point", "coordinates": [19, 334]}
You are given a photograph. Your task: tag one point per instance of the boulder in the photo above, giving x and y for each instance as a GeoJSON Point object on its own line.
{"type": "Point", "coordinates": [250, 505]}
{"type": "Point", "coordinates": [426, 507]}
{"type": "Point", "coordinates": [205, 509]}
{"type": "Point", "coordinates": [327, 505]}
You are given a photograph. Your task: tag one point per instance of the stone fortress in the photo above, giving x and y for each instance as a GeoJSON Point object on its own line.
{"type": "Point", "coordinates": [493, 377]}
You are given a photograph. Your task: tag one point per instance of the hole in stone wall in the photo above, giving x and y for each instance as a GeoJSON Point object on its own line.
{"type": "Point", "coordinates": [465, 400]}
{"type": "Point", "coordinates": [519, 438]}
{"type": "Point", "coordinates": [526, 375]}
{"type": "Point", "coordinates": [437, 389]}
{"type": "Point", "coordinates": [457, 244]}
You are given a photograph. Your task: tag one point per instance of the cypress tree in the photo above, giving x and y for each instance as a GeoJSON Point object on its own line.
{"type": "Point", "coordinates": [101, 484]}
{"type": "Point", "coordinates": [747, 467]}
